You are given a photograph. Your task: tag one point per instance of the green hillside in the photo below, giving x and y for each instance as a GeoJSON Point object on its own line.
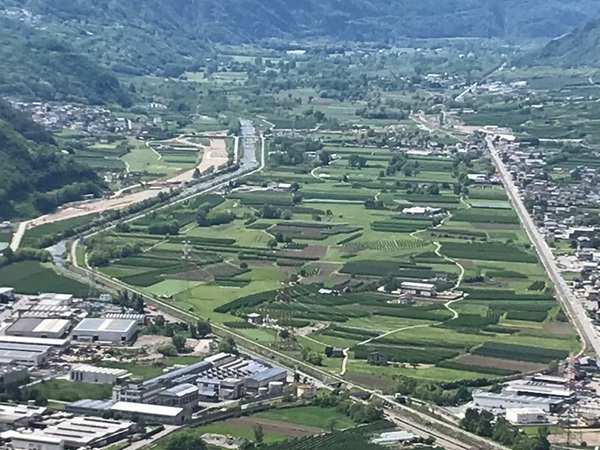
{"type": "Point", "coordinates": [37, 65]}
{"type": "Point", "coordinates": [34, 176]}
{"type": "Point", "coordinates": [578, 48]}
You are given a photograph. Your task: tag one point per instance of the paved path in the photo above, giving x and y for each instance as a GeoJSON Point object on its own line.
{"type": "Point", "coordinates": [572, 305]}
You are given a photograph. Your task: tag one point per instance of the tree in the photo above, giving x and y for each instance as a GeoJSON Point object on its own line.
{"type": "Point", "coordinates": [286, 214]}
{"type": "Point", "coordinates": [178, 341]}
{"type": "Point", "coordinates": [357, 161]}
{"type": "Point", "coordinates": [331, 424]}
{"type": "Point", "coordinates": [284, 334]}
{"type": "Point", "coordinates": [259, 434]}
{"type": "Point", "coordinates": [204, 328]}
{"type": "Point", "coordinates": [196, 174]}
{"type": "Point", "coordinates": [186, 442]}
{"type": "Point", "coordinates": [228, 345]}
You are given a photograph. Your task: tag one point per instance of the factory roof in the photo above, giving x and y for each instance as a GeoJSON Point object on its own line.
{"type": "Point", "coordinates": [192, 368]}
{"type": "Point", "coordinates": [394, 436]}
{"type": "Point", "coordinates": [32, 341]}
{"type": "Point", "coordinates": [39, 325]}
{"type": "Point", "coordinates": [82, 431]}
{"type": "Point", "coordinates": [33, 436]}
{"type": "Point", "coordinates": [124, 316]}
{"type": "Point", "coordinates": [94, 325]}
{"type": "Point", "coordinates": [93, 369]}
{"type": "Point", "coordinates": [527, 410]}
{"type": "Point", "coordinates": [535, 387]}
{"type": "Point", "coordinates": [6, 290]}
{"type": "Point", "coordinates": [269, 373]}
{"type": "Point", "coordinates": [514, 397]}
{"type": "Point", "coordinates": [143, 408]}
{"type": "Point", "coordinates": [10, 413]}
{"type": "Point", "coordinates": [410, 284]}
{"type": "Point", "coordinates": [13, 347]}
{"type": "Point", "coordinates": [96, 405]}
{"type": "Point", "coordinates": [52, 296]}
{"type": "Point", "coordinates": [180, 390]}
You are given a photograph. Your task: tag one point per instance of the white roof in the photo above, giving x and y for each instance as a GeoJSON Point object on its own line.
{"type": "Point", "coordinates": [411, 285]}
{"type": "Point", "coordinates": [33, 341]}
{"type": "Point", "coordinates": [144, 408]}
{"type": "Point", "coordinates": [95, 325]}
{"type": "Point", "coordinates": [52, 326]}
{"type": "Point", "coordinates": [92, 369]}
{"type": "Point", "coordinates": [526, 410]}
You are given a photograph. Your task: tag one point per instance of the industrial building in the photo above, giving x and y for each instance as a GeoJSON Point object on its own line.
{"type": "Point", "coordinates": [99, 375]}
{"type": "Point", "coordinates": [152, 413]}
{"type": "Point", "coordinates": [38, 327]}
{"type": "Point", "coordinates": [418, 289]}
{"type": "Point", "coordinates": [12, 415]}
{"type": "Point", "coordinates": [139, 318]}
{"type": "Point", "coordinates": [526, 416]}
{"type": "Point", "coordinates": [77, 432]}
{"type": "Point", "coordinates": [12, 374]}
{"type": "Point", "coordinates": [48, 312]}
{"type": "Point", "coordinates": [24, 355]}
{"type": "Point", "coordinates": [181, 396]}
{"type": "Point", "coordinates": [539, 389]}
{"type": "Point", "coordinates": [7, 293]}
{"type": "Point", "coordinates": [58, 344]}
{"type": "Point", "coordinates": [105, 330]}
{"type": "Point", "coordinates": [50, 299]}
{"type": "Point", "coordinates": [493, 401]}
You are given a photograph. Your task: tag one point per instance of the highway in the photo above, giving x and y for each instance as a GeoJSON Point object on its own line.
{"type": "Point", "coordinates": [573, 307]}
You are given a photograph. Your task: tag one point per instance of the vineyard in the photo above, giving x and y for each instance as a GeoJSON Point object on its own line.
{"type": "Point", "coordinates": [357, 438]}
{"type": "Point", "coordinates": [520, 352]}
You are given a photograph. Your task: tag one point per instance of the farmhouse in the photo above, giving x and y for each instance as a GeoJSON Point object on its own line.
{"type": "Point", "coordinates": [418, 289]}
{"type": "Point", "coordinates": [377, 359]}
{"type": "Point", "coordinates": [421, 212]}
{"type": "Point", "coordinates": [105, 330]}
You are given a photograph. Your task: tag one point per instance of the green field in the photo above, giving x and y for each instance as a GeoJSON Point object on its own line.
{"type": "Point", "coordinates": [68, 391]}
{"type": "Point", "coordinates": [313, 416]}
{"type": "Point", "coordinates": [32, 278]}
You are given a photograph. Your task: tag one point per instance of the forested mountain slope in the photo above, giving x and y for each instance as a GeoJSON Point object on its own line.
{"type": "Point", "coordinates": [36, 65]}
{"type": "Point", "coordinates": [178, 21]}
{"type": "Point", "coordinates": [35, 177]}
{"type": "Point", "coordinates": [578, 48]}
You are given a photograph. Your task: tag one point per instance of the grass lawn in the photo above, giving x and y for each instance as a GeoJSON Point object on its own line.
{"type": "Point", "coordinates": [32, 277]}
{"type": "Point", "coordinates": [68, 391]}
{"type": "Point", "coordinates": [313, 416]}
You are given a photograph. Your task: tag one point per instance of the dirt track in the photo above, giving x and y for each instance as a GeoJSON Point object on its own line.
{"type": "Point", "coordinates": [213, 156]}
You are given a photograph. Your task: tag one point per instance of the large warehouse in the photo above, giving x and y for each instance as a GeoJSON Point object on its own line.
{"type": "Point", "coordinates": [105, 330]}
{"type": "Point", "coordinates": [38, 327]}
{"type": "Point", "coordinates": [98, 375]}
{"type": "Point", "coordinates": [24, 355]}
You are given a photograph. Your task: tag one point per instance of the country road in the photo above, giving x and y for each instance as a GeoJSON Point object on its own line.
{"type": "Point", "coordinates": [572, 305]}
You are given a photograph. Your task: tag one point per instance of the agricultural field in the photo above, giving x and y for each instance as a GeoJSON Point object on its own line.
{"type": "Point", "coordinates": [69, 391]}
{"type": "Point", "coordinates": [323, 237]}
{"type": "Point", "coordinates": [32, 277]}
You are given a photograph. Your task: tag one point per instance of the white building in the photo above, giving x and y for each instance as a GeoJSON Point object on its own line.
{"type": "Point", "coordinates": [493, 401]}
{"type": "Point", "coordinates": [105, 330]}
{"type": "Point", "coordinates": [418, 289]}
{"type": "Point", "coordinates": [24, 355]}
{"type": "Point", "coordinates": [152, 413]}
{"type": "Point", "coordinates": [524, 416]}
{"type": "Point", "coordinates": [99, 375]}
{"type": "Point", "coordinates": [7, 292]}
{"type": "Point", "coordinates": [421, 211]}
{"type": "Point", "coordinates": [50, 299]}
